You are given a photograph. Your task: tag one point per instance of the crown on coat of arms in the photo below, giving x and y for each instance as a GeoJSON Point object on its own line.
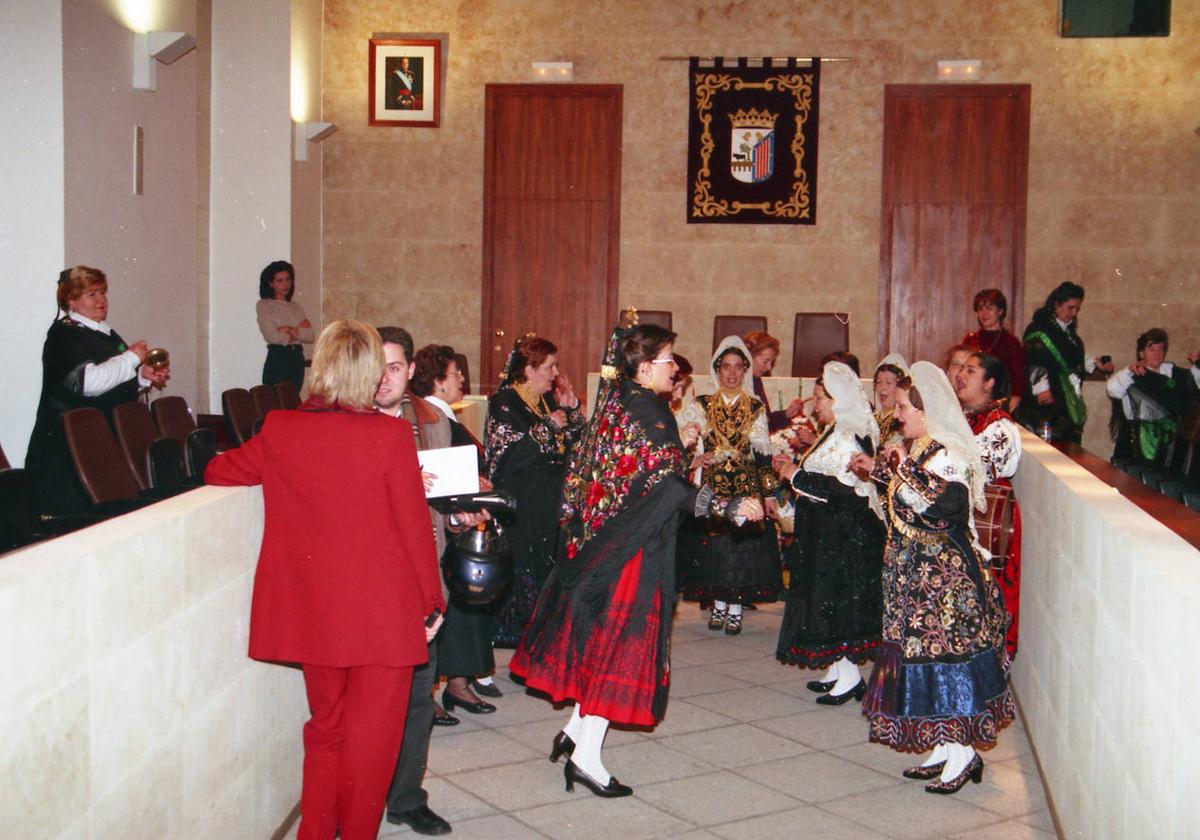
{"type": "Point", "coordinates": [753, 118]}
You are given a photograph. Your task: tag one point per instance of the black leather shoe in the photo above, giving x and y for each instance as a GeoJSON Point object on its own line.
{"type": "Point", "coordinates": [421, 820]}
{"type": "Point", "coordinates": [489, 690]}
{"type": "Point", "coordinates": [562, 744]}
{"type": "Point", "coordinates": [613, 789]}
{"type": "Point", "coordinates": [449, 701]}
{"type": "Point", "coordinates": [444, 719]}
{"type": "Point", "coordinates": [838, 699]}
{"type": "Point", "coordinates": [819, 686]}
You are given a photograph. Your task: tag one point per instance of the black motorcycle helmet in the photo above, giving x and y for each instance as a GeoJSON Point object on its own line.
{"type": "Point", "coordinates": [477, 565]}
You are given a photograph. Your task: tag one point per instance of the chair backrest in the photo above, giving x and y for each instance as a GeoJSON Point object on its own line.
{"type": "Point", "coordinates": [816, 335]}
{"type": "Point", "coordinates": [265, 399]}
{"type": "Point", "coordinates": [239, 414]}
{"type": "Point", "coordinates": [173, 417]}
{"type": "Point", "coordinates": [135, 431]}
{"type": "Point", "coordinates": [287, 394]}
{"type": "Point", "coordinates": [658, 317]}
{"type": "Point", "coordinates": [738, 325]}
{"type": "Point", "coordinates": [201, 448]}
{"type": "Point", "coordinates": [103, 472]}
{"type": "Point", "coordinates": [17, 513]}
{"type": "Point", "coordinates": [464, 368]}
{"type": "Point", "coordinates": [164, 462]}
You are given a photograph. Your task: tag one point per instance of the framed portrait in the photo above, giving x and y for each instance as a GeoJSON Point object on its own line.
{"type": "Point", "coordinates": [405, 81]}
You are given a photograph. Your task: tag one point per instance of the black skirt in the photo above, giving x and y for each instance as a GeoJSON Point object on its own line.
{"type": "Point", "coordinates": [465, 643]}
{"type": "Point", "coordinates": [285, 363]}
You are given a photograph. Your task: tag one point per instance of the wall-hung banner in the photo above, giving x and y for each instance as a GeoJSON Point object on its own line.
{"type": "Point", "coordinates": [752, 143]}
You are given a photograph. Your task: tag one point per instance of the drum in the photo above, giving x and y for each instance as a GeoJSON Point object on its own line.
{"type": "Point", "coordinates": [995, 525]}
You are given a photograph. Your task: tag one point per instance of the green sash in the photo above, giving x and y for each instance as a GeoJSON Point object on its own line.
{"type": "Point", "coordinates": [1076, 409]}
{"type": "Point", "coordinates": [1153, 436]}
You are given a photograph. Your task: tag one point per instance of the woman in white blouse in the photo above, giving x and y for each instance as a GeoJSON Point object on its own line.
{"type": "Point", "coordinates": [283, 324]}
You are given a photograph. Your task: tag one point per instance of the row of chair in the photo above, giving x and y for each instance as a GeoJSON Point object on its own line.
{"type": "Point", "coordinates": [246, 410]}
{"type": "Point", "coordinates": [814, 334]}
{"type": "Point", "coordinates": [1178, 473]}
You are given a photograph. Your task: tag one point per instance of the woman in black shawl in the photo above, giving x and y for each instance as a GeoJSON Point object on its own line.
{"type": "Point", "coordinates": [600, 629]}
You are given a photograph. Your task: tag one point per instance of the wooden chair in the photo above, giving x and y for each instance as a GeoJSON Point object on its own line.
{"type": "Point", "coordinates": [265, 399]}
{"type": "Point", "coordinates": [287, 394]}
{"type": "Point", "coordinates": [738, 325]}
{"type": "Point", "coordinates": [658, 317]}
{"type": "Point", "coordinates": [239, 414]}
{"type": "Point", "coordinates": [103, 471]}
{"type": "Point", "coordinates": [201, 447]}
{"type": "Point", "coordinates": [135, 432]}
{"type": "Point", "coordinates": [173, 418]}
{"type": "Point", "coordinates": [816, 335]}
{"type": "Point", "coordinates": [164, 463]}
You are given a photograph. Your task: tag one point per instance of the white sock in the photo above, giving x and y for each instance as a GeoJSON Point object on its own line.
{"type": "Point", "coordinates": [571, 730]}
{"type": "Point", "coordinates": [957, 759]}
{"type": "Point", "coordinates": [587, 748]}
{"type": "Point", "coordinates": [484, 680]}
{"type": "Point", "coordinates": [735, 609]}
{"type": "Point", "coordinates": [831, 674]}
{"type": "Point", "coordinates": [719, 606]}
{"type": "Point", "coordinates": [847, 677]}
{"type": "Point", "coordinates": [936, 757]}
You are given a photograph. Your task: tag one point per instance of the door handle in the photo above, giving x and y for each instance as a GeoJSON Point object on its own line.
{"type": "Point", "coordinates": [499, 333]}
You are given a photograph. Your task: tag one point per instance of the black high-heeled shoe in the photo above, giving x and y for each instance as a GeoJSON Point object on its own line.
{"type": "Point", "coordinates": [820, 686]}
{"type": "Point", "coordinates": [838, 699]}
{"type": "Point", "coordinates": [449, 701]}
{"type": "Point", "coordinates": [561, 744]}
{"type": "Point", "coordinates": [612, 790]}
{"type": "Point", "coordinates": [924, 772]}
{"type": "Point", "coordinates": [973, 771]}
{"type": "Point", "coordinates": [486, 689]}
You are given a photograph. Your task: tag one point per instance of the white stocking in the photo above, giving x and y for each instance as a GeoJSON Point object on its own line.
{"type": "Point", "coordinates": [720, 606]}
{"type": "Point", "coordinates": [587, 748]}
{"type": "Point", "coordinates": [936, 757]}
{"type": "Point", "coordinates": [831, 674]}
{"type": "Point", "coordinates": [847, 676]}
{"type": "Point", "coordinates": [957, 759]}
{"type": "Point", "coordinates": [735, 609]}
{"type": "Point", "coordinates": [571, 730]}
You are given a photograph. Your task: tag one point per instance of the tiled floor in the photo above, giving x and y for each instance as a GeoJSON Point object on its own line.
{"type": "Point", "coordinates": [744, 751]}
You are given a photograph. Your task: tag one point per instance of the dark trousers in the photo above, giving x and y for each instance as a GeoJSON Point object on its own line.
{"type": "Point", "coordinates": [406, 792]}
{"type": "Point", "coordinates": [350, 743]}
{"type": "Point", "coordinates": [284, 362]}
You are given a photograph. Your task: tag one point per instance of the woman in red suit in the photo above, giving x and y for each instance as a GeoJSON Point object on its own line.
{"type": "Point", "coordinates": [347, 575]}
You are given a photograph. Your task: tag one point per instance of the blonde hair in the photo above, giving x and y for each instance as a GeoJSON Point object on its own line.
{"type": "Point", "coordinates": [348, 363]}
{"type": "Point", "coordinates": [73, 282]}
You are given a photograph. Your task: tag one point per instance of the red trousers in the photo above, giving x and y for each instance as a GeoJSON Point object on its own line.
{"type": "Point", "coordinates": [351, 743]}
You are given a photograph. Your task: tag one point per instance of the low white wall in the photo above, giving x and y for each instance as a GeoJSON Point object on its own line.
{"type": "Point", "coordinates": [128, 706]}
{"type": "Point", "coordinates": [1110, 615]}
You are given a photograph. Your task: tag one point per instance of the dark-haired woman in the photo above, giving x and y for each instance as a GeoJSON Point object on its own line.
{"type": "Point", "coordinates": [283, 324]}
{"type": "Point", "coordinates": [465, 644]}
{"type": "Point", "coordinates": [735, 564]}
{"type": "Point", "coordinates": [940, 680]}
{"type": "Point", "coordinates": [981, 386]}
{"type": "Point", "coordinates": [84, 364]}
{"type": "Point", "coordinates": [891, 375]}
{"type": "Point", "coordinates": [1055, 366]}
{"type": "Point", "coordinates": [532, 421]}
{"type": "Point", "coordinates": [601, 630]}
{"type": "Point", "coordinates": [1149, 399]}
{"type": "Point", "coordinates": [992, 339]}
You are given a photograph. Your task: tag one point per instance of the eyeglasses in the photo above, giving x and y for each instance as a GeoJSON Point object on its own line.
{"type": "Point", "coordinates": [663, 362]}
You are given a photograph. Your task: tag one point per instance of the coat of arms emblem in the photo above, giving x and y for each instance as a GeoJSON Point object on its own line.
{"type": "Point", "coordinates": [752, 145]}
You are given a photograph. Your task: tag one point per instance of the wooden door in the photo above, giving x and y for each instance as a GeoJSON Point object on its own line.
{"type": "Point", "coordinates": [955, 176]}
{"type": "Point", "coordinates": [551, 222]}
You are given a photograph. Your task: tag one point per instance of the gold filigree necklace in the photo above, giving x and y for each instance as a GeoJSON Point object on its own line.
{"type": "Point", "coordinates": [536, 402]}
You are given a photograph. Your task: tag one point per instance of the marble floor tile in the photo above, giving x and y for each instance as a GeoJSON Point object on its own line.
{"type": "Point", "coordinates": [1010, 830]}
{"type": "Point", "coordinates": [817, 777]}
{"type": "Point", "coordinates": [907, 811]}
{"type": "Point", "coordinates": [698, 679]}
{"type": "Point", "coordinates": [748, 704]}
{"type": "Point", "coordinates": [587, 817]}
{"type": "Point", "coordinates": [800, 822]}
{"type": "Point", "coordinates": [734, 746]}
{"type": "Point", "coordinates": [683, 716]}
{"type": "Point", "coordinates": [715, 798]}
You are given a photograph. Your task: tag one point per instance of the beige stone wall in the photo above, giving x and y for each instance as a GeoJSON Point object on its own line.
{"type": "Point", "coordinates": [1114, 163]}
{"type": "Point", "coordinates": [1108, 597]}
{"type": "Point", "coordinates": [128, 705]}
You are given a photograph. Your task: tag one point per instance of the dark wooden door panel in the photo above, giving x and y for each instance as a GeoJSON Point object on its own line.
{"type": "Point", "coordinates": [953, 210]}
{"type": "Point", "coordinates": [551, 221]}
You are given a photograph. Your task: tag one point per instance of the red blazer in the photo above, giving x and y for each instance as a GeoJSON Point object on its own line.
{"type": "Point", "coordinates": [347, 572]}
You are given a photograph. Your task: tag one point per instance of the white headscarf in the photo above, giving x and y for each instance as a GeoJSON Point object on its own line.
{"type": "Point", "coordinates": [733, 342]}
{"type": "Point", "coordinates": [851, 409]}
{"type": "Point", "coordinates": [895, 360]}
{"type": "Point", "coordinates": [853, 420]}
{"type": "Point", "coordinates": [946, 423]}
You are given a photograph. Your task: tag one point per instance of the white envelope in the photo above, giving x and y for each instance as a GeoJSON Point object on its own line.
{"type": "Point", "coordinates": [456, 468]}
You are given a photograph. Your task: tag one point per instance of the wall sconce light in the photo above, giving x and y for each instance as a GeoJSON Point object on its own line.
{"type": "Point", "coordinates": [553, 71]}
{"type": "Point", "coordinates": [959, 70]}
{"type": "Point", "coordinates": [152, 47]}
{"type": "Point", "coordinates": [310, 132]}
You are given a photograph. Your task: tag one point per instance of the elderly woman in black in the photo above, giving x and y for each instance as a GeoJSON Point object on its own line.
{"type": "Point", "coordinates": [84, 364]}
{"type": "Point", "coordinates": [532, 421]}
